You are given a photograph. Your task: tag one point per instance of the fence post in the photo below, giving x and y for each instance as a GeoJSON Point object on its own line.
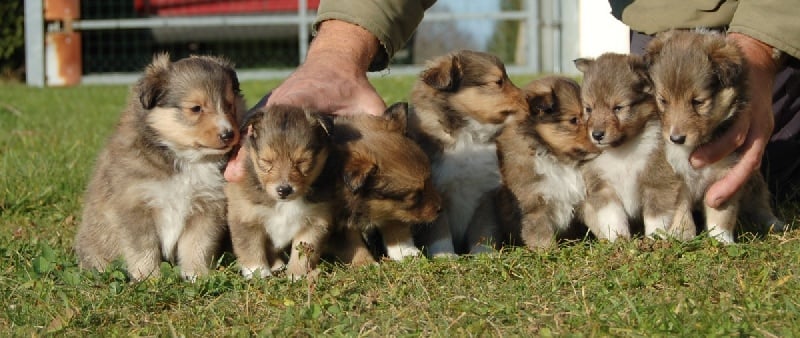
{"type": "Point", "coordinates": [534, 31]}
{"type": "Point", "coordinates": [34, 43]}
{"type": "Point", "coordinates": [302, 31]}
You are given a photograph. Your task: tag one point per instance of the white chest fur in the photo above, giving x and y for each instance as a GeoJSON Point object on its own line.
{"type": "Point", "coordinates": [465, 171]}
{"type": "Point", "coordinates": [697, 180]}
{"type": "Point", "coordinates": [562, 186]}
{"type": "Point", "coordinates": [286, 219]}
{"type": "Point", "coordinates": [179, 196]}
{"type": "Point", "coordinates": [622, 167]}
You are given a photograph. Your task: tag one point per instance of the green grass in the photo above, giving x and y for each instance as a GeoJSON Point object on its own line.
{"type": "Point", "coordinates": [48, 141]}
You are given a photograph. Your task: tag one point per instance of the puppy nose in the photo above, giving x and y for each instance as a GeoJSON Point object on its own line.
{"type": "Point", "coordinates": [284, 190]}
{"type": "Point", "coordinates": [677, 139]}
{"type": "Point", "coordinates": [226, 136]}
{"type": "Point", "coordinates": [598, 135]}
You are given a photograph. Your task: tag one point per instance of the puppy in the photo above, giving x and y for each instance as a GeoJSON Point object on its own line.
{"type": "Point", "coordinates": [385, 180]}
{"type": "Point", "coordinates": [539, 155]}
{"type": "Point", "coordinates": [630, 180]}
{"type": "Point", "coordinates": [460, 102]}
{"type": "Point", "coordinates": [701, 86]}
{"type": "Point", "coordinates": [157, 188]}
{"type": "Point", "coordinates": [286, 197]}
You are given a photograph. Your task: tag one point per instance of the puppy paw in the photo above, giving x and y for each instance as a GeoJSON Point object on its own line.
{"type": "Point", "coordinates": [401, 251]}
{"type": "Point", "coordinates": [256, 271]}
{"type": "Point", "coordinates": [721, 235]}
{"type": "Point", "coordinates": [442, 248]}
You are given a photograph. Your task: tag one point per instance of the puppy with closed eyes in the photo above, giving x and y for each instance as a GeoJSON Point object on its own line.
{"type": "Point", "coordinates": [460, 102]}
{"type": "Point", "coordinates": [630, 181]}
{"type": "Point", "coordinates": [385, 182]}
{"type": "Point", "coordinates": [286, 197]}
{"type": "Point", "coordinates": [540, 154]}
{"type": "Point", "coordinates": [701, 87]}
{"type": "Point", "coordinates": [156, 191]}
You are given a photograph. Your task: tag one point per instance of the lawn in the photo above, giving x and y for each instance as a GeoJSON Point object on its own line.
{"type": "Point", "coordinates": [48, 141]}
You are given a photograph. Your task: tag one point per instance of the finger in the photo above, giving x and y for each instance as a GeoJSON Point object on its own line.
{"type": "Point", "coordinates": [372, 105]}
{"type": "Point", "coordinates": [722, 190]}
{"type": "Point", "coordinates": [722, 146]}
{"type": "Point", "coordinates": [234, 171]}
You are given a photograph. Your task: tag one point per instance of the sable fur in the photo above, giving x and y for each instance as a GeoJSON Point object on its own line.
{"type": "Point", "coordinates": [700, 81]}
{"type": "Point", "coordinates": [286, 197]}
{"type": "Point", "coordinates": [630, 180]}
{"type": "Point", "coordinates": [539, 154]}
{"type": "Point", "coordinates": [460, 101]}
{"type": "Point", "coordinates": [156, 190]}
{"type": "Point", "coordinates": [385, 181]}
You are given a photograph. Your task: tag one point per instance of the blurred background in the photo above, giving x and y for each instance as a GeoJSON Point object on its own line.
{"type": "Point", "coordinates": [69, 42]}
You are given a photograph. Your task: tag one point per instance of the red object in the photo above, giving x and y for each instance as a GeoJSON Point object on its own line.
{"type": "Point", "coordinates": [214, 7]}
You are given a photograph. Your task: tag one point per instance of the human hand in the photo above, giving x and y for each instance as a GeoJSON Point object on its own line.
{"type": "Point", "coordinates": [333, 79]}
{"type": "Point", "coordinates": [751, 131]}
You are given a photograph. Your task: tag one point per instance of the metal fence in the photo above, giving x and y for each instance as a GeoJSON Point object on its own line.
{"type": "Point", "coordinates": [110, 41]}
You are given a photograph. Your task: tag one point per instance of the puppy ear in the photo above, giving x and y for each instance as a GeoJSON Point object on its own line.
{"type": "Point", "coordinates": [229, 69]}
{"type": "Point", "coordinates": [583, 64]}
{"type": "Point", "coordinates": [357, 172]}
{"type": "Point", "coordinates": [445, 75]}
{"type": "Point", "coordinates": [253, 118]}
{"type": "Point", "coordinates": [727, 62]}
{"type": "Point", "coordinates": [397, 116]}
{"type": "Point", "coordinates": [640, 67]}
{"type": "Point", "coordinates": [152, 85]}
{"type": "Point", "coordinates": [656, 44]}
{"type": "Point", "coordinates": [325, 122]}
{"type": "Point", "coordinates": [543, 104]}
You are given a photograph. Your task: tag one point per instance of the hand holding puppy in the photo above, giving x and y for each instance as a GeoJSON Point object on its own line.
{"type": "Point", "coordinates": [332, 80]}
{"type": "Point", "coordinates": [750, 133]}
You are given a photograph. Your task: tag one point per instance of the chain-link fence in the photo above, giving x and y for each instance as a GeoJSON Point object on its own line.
{"type": "Point", "coordinates": [112, 40]}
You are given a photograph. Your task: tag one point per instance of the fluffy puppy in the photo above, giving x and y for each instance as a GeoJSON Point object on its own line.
{"type": "Point", "coordinates": [539, 154]}
{"type": "Point", "coordinates": [286, 196]}
{"type": "Point", "coordinates": [385, 181]}
{"type": "Point", "coordinates": [460, 102]}
{"type": "Point", "coordinates": [630, 180]}
{"type": "Point", "coordinates": [157, 188]}
{"type": "Point", "coordinates": [701, 86]}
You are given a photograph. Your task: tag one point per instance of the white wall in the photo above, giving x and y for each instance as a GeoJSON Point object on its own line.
{"type": "Point", "coordinates": [599, 31]}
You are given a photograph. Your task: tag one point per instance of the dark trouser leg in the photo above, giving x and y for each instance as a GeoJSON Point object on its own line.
{"type": "Point", "coordinates": [781, 163]}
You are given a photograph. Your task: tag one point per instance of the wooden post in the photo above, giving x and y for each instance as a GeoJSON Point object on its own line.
{"type": "Point", "coordinates": [62, 48]}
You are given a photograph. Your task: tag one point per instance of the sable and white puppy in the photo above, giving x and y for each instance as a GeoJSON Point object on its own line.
{"type": "Point", "coordinates": [286, 197]}
{"type": "Point", "coordinates": [700, 81]}
{"type": "Point", "coordinates": [385, 180]}
{"type": "Point", "coordinates": [460, 102]}
{"type": "Point", "coordinates": [157, 188]}
{"type": "Point", "coordinates": [540, 153]}
{"type": "Point", "coordinates": [630, 180]}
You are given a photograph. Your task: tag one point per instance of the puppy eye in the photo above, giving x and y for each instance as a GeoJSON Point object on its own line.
{"type": "Point", "coordinates": [499, 82]}
{"type": "Point", "coordinates": [415, 198]}
{"type": "Point", "coordinates": [662, 101]}
{"type": "Point", "coordinates": [196, 109]}
{"type": "Point", "coordinates": [573, 120]}
{"type": "Point", "coordinates": [265, 164]}
{"type": "Point", "coordinates": [302, 165]}
{"type": "Point", "coordinates": [588, 110]}
{"type": "Point", "coordinates": [618, 109]}
{"type": "Point", "coordinates": [697, 102]}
